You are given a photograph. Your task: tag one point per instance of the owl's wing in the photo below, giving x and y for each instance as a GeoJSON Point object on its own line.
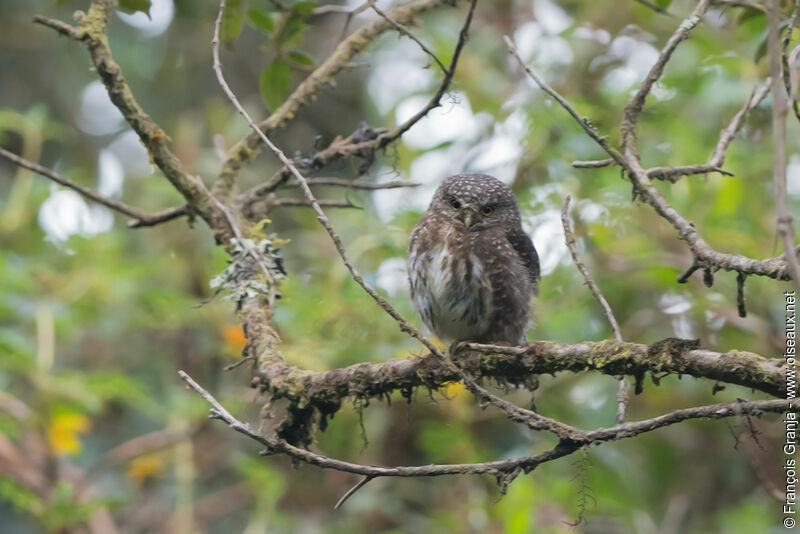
{"type": "Point", "coordinates": [530, 259]}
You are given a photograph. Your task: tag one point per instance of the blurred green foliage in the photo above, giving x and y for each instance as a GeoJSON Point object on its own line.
{"type": "Point", "coordinates": [93, 328]}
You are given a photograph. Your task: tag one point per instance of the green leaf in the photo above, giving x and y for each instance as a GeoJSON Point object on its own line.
{"type": "Point", "coordinates": [232, 21]}
{"type": "Point", "coordinates": [20, 497]}
{"type": "Point", "coordinates": [260, 20]}
{"type": "Point", "coordinates": [304, 8]}
{"type": "Point", "coordinates": [663, 3]}
{"type": "Point", "coordinates": [132, 6]}
{"type": "Point", "coordinates": [292, 30]}
{"type": "Point", "coordinates": [301, 58]}
{"type": "Point", "coordinates": [274, 83]}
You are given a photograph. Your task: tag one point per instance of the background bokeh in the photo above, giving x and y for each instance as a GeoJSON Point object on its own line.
{"type": "Point", "coordinates": [95, 318]}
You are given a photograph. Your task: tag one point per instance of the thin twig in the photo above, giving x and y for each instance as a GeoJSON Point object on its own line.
{"type": "Point", "coordinates": [138, 216]}
{"type": "Point", "coordinates": [63, 28]}
{"type": "Point", "coordinates": [673, 174]}
{"type": "Point", "coordinates": [632, 110]}
{"type": "Point", "coordinates": [92, 31]}
{"type": "Point", "coordinates": [405, 31]}
{"type": "Point", "coordinates": [435, 100]}
{"type": "Point", "coordinates": [729, 133]}
{"type": "Point", "coordinates": [593, 164]}
{"type": "Point", "coordinates": [784, 219]}
{"type": "Point", "coordinates": [569, 237]}
{"type": "Point", "coordinates": [153, 219]}
{"type": "Point", "coordinates": [788, 60]}
{"type": "Point", "coordinates": [590, 130]}
{"type": "Point", "coordinates": [356, 184]}
{"type": "Point", "coordinates": [217, 66]}
{"type": "Point", "coordinates": [283, 202]}
{"type": "Point", "coordinates": [704, 256]}
{"type": "Point", "coordinates": [249, 147]}
{"type": "Point", "coordinates": [360, 484]}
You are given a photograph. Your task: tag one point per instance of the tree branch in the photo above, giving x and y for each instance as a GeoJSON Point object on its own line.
{"type": "Point", "coordinates": [705, 257]}
{"type": "Point", "coordinates": [356, 184]}
{"type": "Point", "coordinates": [674, 173]}
{"type": "Point", "coordinates": [299, 428]}
{"type": "Point", "coordinates": [139, 217]}
{"type": "Point", "coordinates": [633, 109]}
{"type": "Point", "coordinates": [248, 148]}
{"type": "Point", "coordinates": [163, 216]}
{"type": "Point", "coordinates": [387, 137]}
{"type": "Point", "coordinates": [326, 390]}
{"type": "Point", "coordinates": [569, 238]}
{"type": "Point", "coordinates": [405, 31]}
{"type": "Point", "coordinates": [784, 222]}
{"type": "Point", "coordinates": [504, 470]}
{"type": "Point", "coordinates": [789, 59]}
{"type": "Point", "coordinates": [590, 130]}
{"type": "Point", "coordinates": [92, 32]}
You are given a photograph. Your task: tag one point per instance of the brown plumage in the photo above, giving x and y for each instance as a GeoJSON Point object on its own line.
{"type": "Point", "coordinates": [471, 266]}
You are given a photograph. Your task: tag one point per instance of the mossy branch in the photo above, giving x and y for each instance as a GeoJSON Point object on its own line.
{"type": "Point", "coordinates": [92, 31]}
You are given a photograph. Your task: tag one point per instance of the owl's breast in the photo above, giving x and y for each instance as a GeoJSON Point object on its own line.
{"type": "Point", "coordinates": [449, 288]}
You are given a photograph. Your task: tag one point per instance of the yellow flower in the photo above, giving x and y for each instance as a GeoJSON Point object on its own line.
{"type": "Point", "coordinates": [144, 467]}
{"type": "Point", "coordinates": [454, 389]}
{"type": "Point", "coordinates": [63, 432]}
{"type": "Point", "coordinates": [234, 338]}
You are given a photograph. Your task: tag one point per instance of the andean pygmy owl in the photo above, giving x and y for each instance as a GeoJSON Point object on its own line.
{"type": "Point", "coordinates": [471, 266]}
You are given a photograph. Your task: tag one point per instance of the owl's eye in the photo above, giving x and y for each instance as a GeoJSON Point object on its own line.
{"type": "Point", "coordinates": [487, 210]}
{"type": "Point", "coordinates": [455, 205]}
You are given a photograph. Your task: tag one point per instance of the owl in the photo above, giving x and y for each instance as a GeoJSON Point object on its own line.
{"type": "Point", "coordinates": [472, 269]}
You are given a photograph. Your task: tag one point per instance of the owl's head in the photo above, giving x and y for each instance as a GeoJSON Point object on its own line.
{"type": "Point", "coordinates": [477, 201]}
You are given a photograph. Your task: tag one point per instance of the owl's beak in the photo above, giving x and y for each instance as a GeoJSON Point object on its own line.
{"type": "Point", "coordinates": [467, 217]}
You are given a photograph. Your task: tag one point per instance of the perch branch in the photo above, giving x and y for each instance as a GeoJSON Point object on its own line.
{"type": "Point", "coordinates": [503, 470]}
{"type": "Point", "coordinates": [327, 389]}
